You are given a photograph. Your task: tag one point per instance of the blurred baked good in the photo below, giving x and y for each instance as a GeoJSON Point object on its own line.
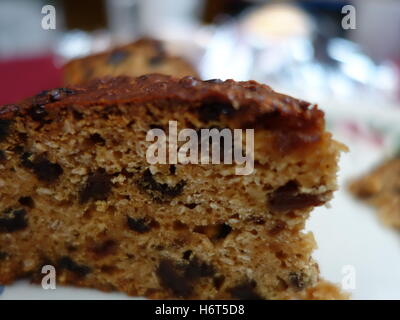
{"type": "Point", "coordinates": [135, 59]}
{"type": "Point", "coordinates": [381, 189]}
{"type": "Point", "coordinates": [325, 290]}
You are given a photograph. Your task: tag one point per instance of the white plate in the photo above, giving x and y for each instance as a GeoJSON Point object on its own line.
{"type": "Point", "coordinates": [349, 234]}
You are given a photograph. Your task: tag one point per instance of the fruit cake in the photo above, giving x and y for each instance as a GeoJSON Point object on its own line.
{"type": "Point", "coordinates": [77, 191]}
{"type": "Point", "coordinates": [135, 59]}
{"type": "Point", "coordinates": [381, 189]}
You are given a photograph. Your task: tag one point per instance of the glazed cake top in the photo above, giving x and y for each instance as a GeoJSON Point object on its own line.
{"type": "Point", "coordinates": [250, 103]}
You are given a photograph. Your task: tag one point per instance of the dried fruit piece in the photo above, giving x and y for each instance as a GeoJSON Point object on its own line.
{"type": "Point", "coordinates": [26, 201]}
{"type": "Point", "coordinates": [117, 56]}
{"type": "Point", "coordinates": [212, 111]}
{"type": "Point", "coordinates": [246, 291]}
{"type": "Point", "coordinates": [170, 278]}
{"type": "Point", "coordinates": [214, 232]}
{"type": "Point", "coordinates": [27, 160]}
{"type": "Point", "coordinates": [141, 225]}
{"type": "Point", "coordinates": [180, 278]}
{"type": "Point", "coordinates": [289, 197]}
{"type": "Point", "coordinates": [213, 81]}
{"type": "Point", "coordinates": [277, 228]}
{"type": "Point", "coordinates": [97, 187]}
{"type": "Point", "coordinates": [54, 95]}
{"type": "Point", "coordinates": [45, 170]}
{"type": "Point", "coordinates": [97, 139]}
{"type": "Point", "coordinates": [186, 255]}
{"type": "Point", "coordinates": [3, 156]}
{"type": "Point", "coordinates": [198, 269]}
{"type": "Point", "coordinates": [39, 113]}
{"type": "Point", "coordinates": [104, 248]}
{"type": "Point", "coordinates": [4, 128]}
{"type": "Point", "coordinates": [13, 220]}
{"type": "Point", "coordinates": [159, 191]}
{"type": "Point", "coordinates": [68, 264]}
{"type": "Point", "coordinates": [191, 205]}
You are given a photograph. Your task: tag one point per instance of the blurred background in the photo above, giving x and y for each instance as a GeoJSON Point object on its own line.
{"type": "Point", "coordinates": [299, 47]}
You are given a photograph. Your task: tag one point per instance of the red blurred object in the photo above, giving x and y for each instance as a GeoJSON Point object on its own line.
{"type": "Point", "coordinates": [21, 78]}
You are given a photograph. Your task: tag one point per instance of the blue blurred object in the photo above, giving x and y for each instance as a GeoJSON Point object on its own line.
{"type": "Point", "coordinates": [333, 5]}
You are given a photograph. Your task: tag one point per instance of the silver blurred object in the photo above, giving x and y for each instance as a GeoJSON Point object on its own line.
{"type": "Point", "coordinates": [258, 47]}
{"type": "Point", "coordinates": [226, 55]}
{"type": "Point", "coordinates": [123, 19]}
{"type": "Point", "coordinates": [295, 60]}
{"type": "Point", "coordinates": [169, 19]}
{"type": "Point", "coordinates": [77, 43]}
{"type": "Point", "coordinates": [166, 19]}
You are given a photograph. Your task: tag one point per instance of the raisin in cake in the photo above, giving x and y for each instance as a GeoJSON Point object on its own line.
{"type": "Point", "coordinates": [78, 193]}
{"type": "Point", "coordinates": [135, 59]}
{"type": "Point", "coordinates": [381, 189]}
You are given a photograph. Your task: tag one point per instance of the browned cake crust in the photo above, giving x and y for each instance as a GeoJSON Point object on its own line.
{"type": "Point", "coordinates": [295, 123]}
{"type": "Point", "coordinates": [141, 57]}
{"type": "Point", "coordinates": [77, 192]}
{"type": "Point", "coordinates": [381, 189]}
